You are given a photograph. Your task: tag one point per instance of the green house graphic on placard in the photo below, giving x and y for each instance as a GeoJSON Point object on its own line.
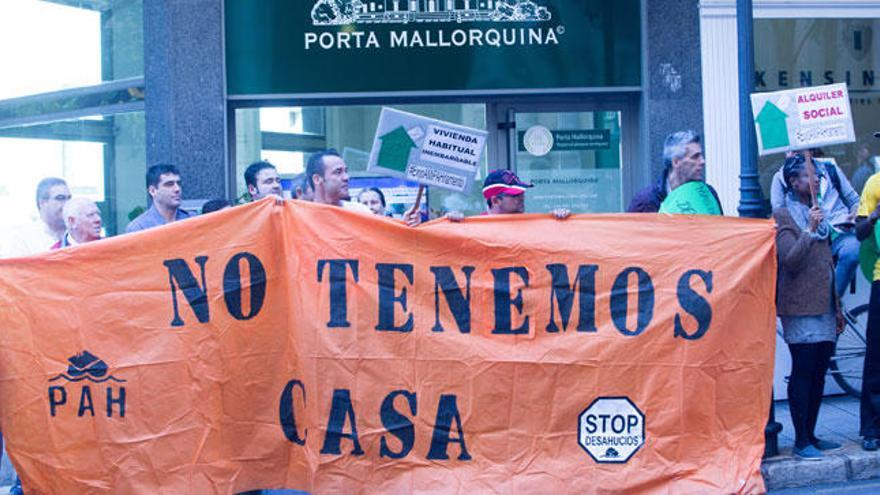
{"type": "Point", "coordinates": [396, 146]}
{"type": "Point", "coordinates": [772, 126]}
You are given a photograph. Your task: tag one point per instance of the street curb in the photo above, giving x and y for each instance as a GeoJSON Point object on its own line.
{"type": "Point", "coordinates": [849, 464]}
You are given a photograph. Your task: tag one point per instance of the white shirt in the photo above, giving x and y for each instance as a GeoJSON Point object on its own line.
{"type": "Point", "coordinates": [29, 239]}
{"type": "Point", "coordinates": [355, 206]}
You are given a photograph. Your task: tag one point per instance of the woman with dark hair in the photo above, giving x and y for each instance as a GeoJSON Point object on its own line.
{"type": "Point", "coordinates": [374, 199]}
{"type": "Point", "coordinates": [805, 302]}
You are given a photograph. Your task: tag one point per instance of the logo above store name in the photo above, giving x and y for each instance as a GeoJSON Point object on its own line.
{"type": "Point", "coordinates": [351, 12]}
{"type": "Point", "coordinates": [342, 12]}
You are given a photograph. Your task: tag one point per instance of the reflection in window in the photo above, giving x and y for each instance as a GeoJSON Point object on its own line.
{"type": "Point", "coordinates": [101, 158]}
{"type": "Point", "coordinates": [286, 136]}
{"type": "Point", "coordinates": [63, 47]}
{"type": "Point", "coordinates": [54, 45]}
{"type": "Point", "coordinates": [811, 52]}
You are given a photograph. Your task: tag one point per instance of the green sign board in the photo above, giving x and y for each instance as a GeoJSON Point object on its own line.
{"type": "Point", "coordinates": [692, 198]}
{"type": "Point", "coordinates": [356, 47]}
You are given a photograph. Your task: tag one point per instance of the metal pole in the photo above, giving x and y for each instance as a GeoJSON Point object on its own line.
{"type": "Point", "coordinates": [751, 203]}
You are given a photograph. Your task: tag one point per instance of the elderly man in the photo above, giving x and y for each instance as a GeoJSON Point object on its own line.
{"type": "Point", "coordinates": [683, 162]}
{"type": "Point", "coordinates": [83, 220]}
{"type": "Point", "coordinates": [262, 180]}
{"type": "Point", "coordinates": [52, 193]}
{"type": "Point", "coordinates": [163, 186]}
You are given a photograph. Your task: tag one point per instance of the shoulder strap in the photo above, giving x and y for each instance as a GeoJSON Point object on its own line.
{"type": "Point", "coordinates": [835, 180]}
{"type": "Point", "coordinates": [832, 173]}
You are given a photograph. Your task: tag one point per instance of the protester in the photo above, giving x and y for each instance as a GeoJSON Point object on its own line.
{"type": "Point", "coordinates": [262, 180]}
{"type": "Point", "coordinates": [164, 188]}
{"type": "Point", "coordinates": [865, 169]}
{"type": "Point", "coordinates": [868, 213]}
{"type": "Point", "coordinates": [683, 162]}
{"type": "Point", "coordinates": [505, 194]}
{"type": "Point", "coordinates": [839, 203]}
{"type": "Point", "coordinates": [52, 194]}
{"type": "Point", "coordinates": [83, 221]}
{"type": "Point", "coordinates": [806, 303]}
{"type": "Point", "coordinates": [215, 205]}
{"type": "Point", "coordinates": [374, 199]}
{"type": "Point", "coordinates": [302, 189]}
{"type": "Point", "coordinates": [327, 175]}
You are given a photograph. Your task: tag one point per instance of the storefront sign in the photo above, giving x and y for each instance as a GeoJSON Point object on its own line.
{"type": "Point", "coordinates": [310, 347]}
{"type": "Point", "coordinates": [538, 140]}
{"type": "Point", "coordinates": [579, 190]}
{"type": "Point", "coordinates": [807, 52]}
{"type": "Point", "coordinates": [802, 118]}
{"type": "Point", "coordinates": [309, 47]}
{"type": "Point", "coordinates": [427, 151]}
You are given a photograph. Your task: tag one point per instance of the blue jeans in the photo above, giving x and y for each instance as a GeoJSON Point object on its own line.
{"type": "Point", "coordinates": [846, 249]}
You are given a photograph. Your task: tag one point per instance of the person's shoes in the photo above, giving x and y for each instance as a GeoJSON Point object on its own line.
{"type": "Point", "coordinates": [826, 445]}
{"type": "Point", "coordinates": [808, 453]}
{"type": "Point", "coordinates": [16, 487]}
{"type": "Point", "coordinates": [870, 444]}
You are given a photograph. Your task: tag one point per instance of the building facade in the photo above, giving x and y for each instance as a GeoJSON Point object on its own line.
{"type": "Point", "coordinates": [182, 82]}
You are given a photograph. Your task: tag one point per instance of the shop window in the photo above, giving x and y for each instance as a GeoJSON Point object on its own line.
{"type": "Point", "coordinates": [811, 52]}
{"type": "Point", "coordinates": [54, 45]}
{"type": "Point", "coordinates": [71, 104]}
{"type": "Point", "coordinates": [286, 136]}
{"type": "Point", "coordinates": [101, 158]}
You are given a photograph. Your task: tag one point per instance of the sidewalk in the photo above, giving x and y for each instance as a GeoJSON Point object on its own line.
{"type": "Point", "coordinates": [838, 422]}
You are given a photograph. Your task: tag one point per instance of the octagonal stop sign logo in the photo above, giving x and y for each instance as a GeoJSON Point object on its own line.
{"type": "Point", "coordinates": [611, 429]}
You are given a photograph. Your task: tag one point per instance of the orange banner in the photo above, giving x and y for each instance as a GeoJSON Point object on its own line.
{"type": "Point", "coordinates": [308, 347]}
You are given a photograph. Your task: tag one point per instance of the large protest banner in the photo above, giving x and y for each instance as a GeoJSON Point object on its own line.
{"type": "Point", "coordinates": [309, 347]}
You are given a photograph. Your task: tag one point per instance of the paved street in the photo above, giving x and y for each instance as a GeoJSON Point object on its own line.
{"type": "Point", "coordinates": [843, 470]}
{"type": "Point", "coordinates": [869, 487]}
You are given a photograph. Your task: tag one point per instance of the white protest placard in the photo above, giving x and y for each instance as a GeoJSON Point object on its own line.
{"type": "Point", "coordinates": [427, 151]}
{"type": "Point", "coordinates": [802, 118]}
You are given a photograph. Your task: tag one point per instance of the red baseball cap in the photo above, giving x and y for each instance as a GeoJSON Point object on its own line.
{"type": "Point", "coordinates": [503, 182]}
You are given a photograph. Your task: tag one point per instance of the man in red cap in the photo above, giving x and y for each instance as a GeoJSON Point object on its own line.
{"type": "Point", "coordinates": [505, 193]}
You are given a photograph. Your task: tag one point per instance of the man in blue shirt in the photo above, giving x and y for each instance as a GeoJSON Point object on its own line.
{"type": "Point", "coordinates": [163, 186]}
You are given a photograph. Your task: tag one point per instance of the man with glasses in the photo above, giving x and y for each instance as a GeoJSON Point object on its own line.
{"type": "Point", "coordinates": [52, 193]}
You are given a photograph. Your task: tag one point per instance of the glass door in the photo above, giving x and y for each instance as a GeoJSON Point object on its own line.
{"type": "Point", "coordinates": [574, 156]}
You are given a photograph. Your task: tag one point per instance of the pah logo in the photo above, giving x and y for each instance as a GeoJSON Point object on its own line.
{"type": "Point", "coordinates": [343, 12]}
{"type": "Point", "coordinates": [857, 38]}
{"type": "Point", "coordinates": [73, 390]}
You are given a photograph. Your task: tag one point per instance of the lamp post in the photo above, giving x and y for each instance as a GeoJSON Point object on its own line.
{"type": "Point", "coordinates": [751, 203]}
